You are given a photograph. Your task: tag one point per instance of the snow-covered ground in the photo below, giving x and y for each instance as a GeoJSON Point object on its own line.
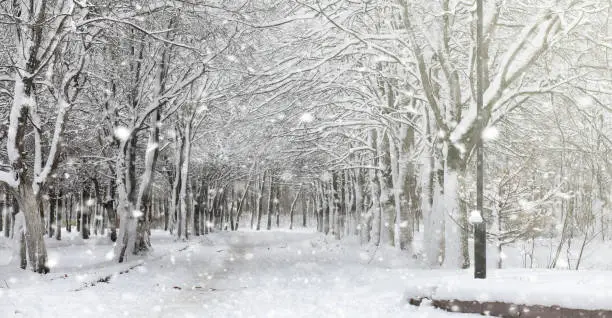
{"type": "Point", "coordinates": [269, 274]}
{"type": "Point", "coordinates": [590, 290]}
{"type": "Point", "coordinates": [240, 274]}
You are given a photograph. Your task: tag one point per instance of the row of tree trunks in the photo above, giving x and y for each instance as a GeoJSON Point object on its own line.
{"type": "Point", "coordinates": [62, 210]}
{"type": "Point", "coordinates": [339, 207]}
{"type": "Point", "coordinates": [335, 207]}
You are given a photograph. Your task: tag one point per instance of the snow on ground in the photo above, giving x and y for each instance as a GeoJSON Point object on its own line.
{"type": "Point", "coordinates": [240, 274]}
{"type": "Point", "coordinates": [568, 289]}
{"type": "Point", "coordinates": [528, 281]}
{"type": "Point", "coordinates": [270, 274]}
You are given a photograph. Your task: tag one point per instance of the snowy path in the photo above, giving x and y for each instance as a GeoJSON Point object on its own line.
{"type": "Point", "coordinates": [283, 274]}
{"type": "Point", "coordinates": [244, 274]}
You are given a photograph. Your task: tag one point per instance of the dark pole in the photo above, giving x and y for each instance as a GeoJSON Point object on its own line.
{"type": "Point", "coordinates": [480, 229]}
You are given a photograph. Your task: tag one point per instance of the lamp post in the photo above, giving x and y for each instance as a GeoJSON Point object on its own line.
{"type": "Point", "coordinates": [480, 227]}
{"type": "Point", "coordinates": [480, 239]}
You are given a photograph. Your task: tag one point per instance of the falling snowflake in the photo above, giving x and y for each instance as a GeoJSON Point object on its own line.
{"type": "Point", "coordinates": [122, 133]}
{"type": "Point", "coordinates": [307, 118]}
{"type": "Point", "coordinates": [475, 217]}
{"type": "Point", "coordinates": [490, 133]}
{"type": "Point", "coordinates": [326, 176]}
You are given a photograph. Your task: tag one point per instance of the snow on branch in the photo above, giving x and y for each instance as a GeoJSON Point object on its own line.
{"type": "Point", "coordinates": [532, 42]}
{"type": "Point", "coordinates": [8, 177]}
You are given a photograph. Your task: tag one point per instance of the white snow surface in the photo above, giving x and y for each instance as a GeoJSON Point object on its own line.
{"type": "Point", "coordinates": [568, 289]}
{"type": "Point", "coordinates": [237, 274]}
{"type": "Point", "coordinates": [273, 274]}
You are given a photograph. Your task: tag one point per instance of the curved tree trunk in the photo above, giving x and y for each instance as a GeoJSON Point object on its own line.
{"type": "Point", "coordinates": [297, 195]}
{"type": "Point", "coordinates": [240, 206]}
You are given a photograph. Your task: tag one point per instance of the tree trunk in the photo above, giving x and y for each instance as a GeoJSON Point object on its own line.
{"type": "Point", "coordinates": [318, 206]}
{"type": "Point", "coordinates": [399, 229]}
{"type": "Point", "coordinates": [276, 205]}
{"type": "Point", "coordinates": [184, 207]}
{"type": "Point", "coordinates": [127, 211]}
{"type": "Point", "coordinates": [240, 207]}
{"type": "Point", "coordinates": [59, 210]}
{"type": "Point", "coordinates": [6, 212]}
{"type": "Point", "coordinates": [376, 208]}
{"type": "Point", "coordinates": [222, 210]}
{"type": "Point", "coordinates": [166, 215]}
{"type": "Point", "coordinates": [231, 211]}
{"type": "Point", "coordinates": [86, 207]}
{"type": "Point", "coordinates": [349, 188]}
{"type": "Point", "coordinates": [23, 262]}
{"type": "Point", "coordinates": [385, 181]}
{"type": "Point", "coordinates": [29, 205]}
{"type": "Point", "coordinates": [270, 203]}
{"type": "Point", "coordinates": [408, 179]}
{"type": "Point", "coordinates": [305, 208]}
{"type": "Point", "coordinates": [205, 209]}
{"type": "Point", "coordinates": [465, 234]}
{"type": "Point", "coordinates": [111, 212]}
{"type": "Point", "coordinates": [433, 220]}
{"type": "Point", "coordinates": [297, 195]}
{"type": "Point", "coordinates": [112, 215]}
{"type": "Point", "coordinates": [103, 219]}
{"type": "Point", "coordinates": [254, 208]}
{"type": "Point", "coordinates": [452, 227]}
{"type": "Point", "coordinates": [69, 216]}
{"type": "Point", "coordinates": [332, 220]}
{"type": "Point", "coordinates": [52, 211]}
{"type": "Point", "coordinates": [325, 205]}
{"type": "Point", "coordinates": [338, 203]}
{"type": "Point", "coordinates": [211, 215]}
{"type": "Point", "coordinates": [175, 210]}
{"type": "Point", "coordinates": [196, 216]}
{"type": "Point", "coordinates": [363, 227]}
{"type": "Point", "coordinates": [79, 213]}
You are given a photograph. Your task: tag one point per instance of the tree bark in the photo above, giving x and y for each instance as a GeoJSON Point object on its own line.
{"type": "Point", "coordinates": [29, 205]}
{"type": "Point", "coordinates": [297, 195]}
{"type": "Point", "coordinates": [240, 207]}
{"type": "Point", "coordinates": [69, 214]}
{"type": "Point", "coordinates": [276, 205]}
{"type": "Point", "coordinates": [6, 212]}
{"type": "Point", "coordinates": [270, 203]}
{"type": "Point", "coordinates": [375, 193]}
{"type": "Point", "coordinates": [52, 211]}
{"type": "Point", "coordinates": [59, 211]}
{"type": "Point", "coordinates": [453, 257]}
{"type": "Point", "coordinates": [305, 209]}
